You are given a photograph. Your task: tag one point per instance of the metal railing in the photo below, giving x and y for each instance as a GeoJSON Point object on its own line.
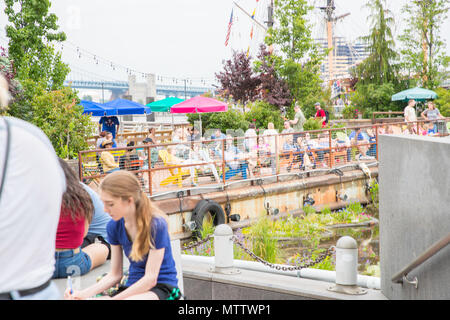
{"type": "Point", "coordinates": [213, 163]}
{"type": "Point", "coordinates": [401, 276]}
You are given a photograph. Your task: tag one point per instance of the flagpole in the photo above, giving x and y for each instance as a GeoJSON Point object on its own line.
{"type": "Point", "coordinates": [259, 24]}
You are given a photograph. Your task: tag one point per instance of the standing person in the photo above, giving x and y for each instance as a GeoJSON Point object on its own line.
{"type": "Point", "coordinates": [77, 211]}
{"type": "Point", "coordinates": [298, 122]}
{"type": "Point", "coordinates": [410, 115]}
{"type": "Point", "coordinates": [432, 114]}
{"type": "Point", "coordinates": [320, 114]}
{"type": "Point", "coordinates": [110, 124]}
{"type": "Point", "coordinates": [31, 189]}
{"type": "Point", "coordinates": [139, 230]}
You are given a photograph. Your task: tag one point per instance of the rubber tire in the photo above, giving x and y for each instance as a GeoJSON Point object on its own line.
{"type": "Point", "coordinates": [204, 207]}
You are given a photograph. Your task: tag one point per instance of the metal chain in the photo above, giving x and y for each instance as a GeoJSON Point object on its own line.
{"type": "Point", "coordinates": [196, 244]}
{"type": "Point", "coordinates": [319, 259]}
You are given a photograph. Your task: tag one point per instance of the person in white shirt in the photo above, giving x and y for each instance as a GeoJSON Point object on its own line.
{"type": "Point", "coordinates": [270, 137]}
{"type": "Point", "coordinates": [30, 202]}
{"type": "Point", "coordinates": [410, 115]}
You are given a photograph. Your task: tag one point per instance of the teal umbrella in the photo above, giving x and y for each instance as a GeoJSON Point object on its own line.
{"type": "Point", "coordinates": [164, 105]}
{"type": "Point", "coordinates": [418, 94]}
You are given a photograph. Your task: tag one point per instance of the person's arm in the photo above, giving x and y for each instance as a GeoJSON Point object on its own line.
{"type": "Point", "coordinates": [149, 280]}
{"type": "Point", "coordinates": [424, 114]}
{"type": "Point", "coordinates": [110, 280]}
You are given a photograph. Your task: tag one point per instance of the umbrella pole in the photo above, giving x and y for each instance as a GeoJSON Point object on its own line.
{"type": "Point", "coordinates": [173, 126]}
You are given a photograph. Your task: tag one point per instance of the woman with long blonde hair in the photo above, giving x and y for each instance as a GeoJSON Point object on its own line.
{"type": "Point", "coordinates": [139, 230]}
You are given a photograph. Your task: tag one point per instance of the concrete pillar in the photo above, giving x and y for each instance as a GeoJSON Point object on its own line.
{"type": "Point", "coordinates": [347, 267]}
{"type": "Point", "coordinates": [223, 249]}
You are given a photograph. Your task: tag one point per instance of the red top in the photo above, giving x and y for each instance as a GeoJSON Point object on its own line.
{"type": "Point", "coordinates": [69, 234]}
{"type": "Point", "coordinates": [320, 114]}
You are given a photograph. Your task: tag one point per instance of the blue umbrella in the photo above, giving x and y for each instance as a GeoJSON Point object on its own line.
{"type": "Point", "coordinates": [124, 107]}
{"type": "Point", "coordinates": [418, 94]}
{"type": "Point", "coordinates": [96, 109]}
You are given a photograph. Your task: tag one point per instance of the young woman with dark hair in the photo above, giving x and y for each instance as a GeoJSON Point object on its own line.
{"type": "Point", "coordinates": [77, 210]}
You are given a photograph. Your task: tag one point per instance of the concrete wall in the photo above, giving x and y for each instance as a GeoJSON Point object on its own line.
{"type": "Point", "coordinates": [414, 176]}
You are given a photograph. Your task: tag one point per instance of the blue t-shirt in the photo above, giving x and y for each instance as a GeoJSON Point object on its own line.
{"type": "Point", "coordinates": [109, 124]}
{"type": "Point", "coordinates": [100, 218]}
{"type": "Point", "coordinates": [361, 136]}
{"type": "Point", "coordinates": [117, 235]}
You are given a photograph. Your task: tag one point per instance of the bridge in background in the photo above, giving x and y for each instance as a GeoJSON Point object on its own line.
{"type": "Point", "coordinates": [118, 88]}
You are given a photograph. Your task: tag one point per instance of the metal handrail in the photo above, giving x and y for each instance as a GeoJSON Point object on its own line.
{"type": "Point", "coordinates": [431, 251]}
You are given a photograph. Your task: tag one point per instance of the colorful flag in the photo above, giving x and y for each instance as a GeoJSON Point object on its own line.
{"type": "Point", "coordinates": [229, 28]}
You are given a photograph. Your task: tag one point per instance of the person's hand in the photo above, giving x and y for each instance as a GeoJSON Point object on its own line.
{"type": "Point", "coordinates": [75, 295]}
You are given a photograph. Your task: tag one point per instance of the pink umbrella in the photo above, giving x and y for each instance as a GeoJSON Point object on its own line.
{"type": "Point", "coordinates": [199, 105]}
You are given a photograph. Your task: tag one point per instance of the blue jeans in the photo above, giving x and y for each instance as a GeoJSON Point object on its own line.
{"type": "Point", "coordinates": [68, 263]}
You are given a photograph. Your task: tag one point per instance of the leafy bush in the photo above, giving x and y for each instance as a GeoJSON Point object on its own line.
{"type": "Point", "coordinates": [443, 101]}
{"type": "Point", "coordinates": [62, 120]}
{"type": "Point", "coordinates": [261, 113]}
{"type": "Point", "coordinates": [312, 124]}
{"type": "Point", "coordinates": [232, 119]}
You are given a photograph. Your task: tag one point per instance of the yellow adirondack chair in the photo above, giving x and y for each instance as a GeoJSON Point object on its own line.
{"type": "Point", "coordinates": [176, 174]}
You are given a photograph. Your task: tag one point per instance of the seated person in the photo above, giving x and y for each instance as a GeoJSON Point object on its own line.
{"type": "Point", "coordinates": [129, 160]}
{"type": "Point", "coordinates": [97, 227]}
{"type": "Point", "coordinates": [217, 147]}
{"type": "Point", "coordinates": [199, 154]}
{"type": "Point", "coordinates": [323, 146]}
{"type": "Point", "coordinates": [372, 152]}
{"type": "Point", "coordinates": [305, 159]}
{"type": "Point", "coordinates": [194, 134]}
{"type": "Point", "coordinates": [174, 160]}
{"type": "Point", "coordinates": [76, 214]}
{"type": "Point", "coordinates": [181, 149]}
{"type": "Point", "coordinates": [107, 159]}
{"type": "Point", "coordinates": [343, 143]}
{"type": "Point", "coordinates": [234, 160]}
{"type": "Point", "coordinates": [101, 139]}
{"type": "Point", "coordinates": [358, 138]}
{"type": "Point", "coordinates": [109, 136]}
{"type": "Point", "coordinates": [138, 230]}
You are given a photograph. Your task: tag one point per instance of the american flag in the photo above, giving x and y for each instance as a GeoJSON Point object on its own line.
{"type": "Point", "coordinates": [229, 28]}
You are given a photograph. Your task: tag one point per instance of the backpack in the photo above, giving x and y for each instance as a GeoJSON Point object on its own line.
{"type": "Point", "coordinates": [327, 115]}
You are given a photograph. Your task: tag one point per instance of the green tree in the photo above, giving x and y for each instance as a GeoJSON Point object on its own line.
{"type": "Point", "coordinates": [380, 66]}
{"type": "Point", "coordinates": [423, 55]}
{"type": "Point", "coordinates": [32, 28]}
{"type": "Point", "coordinates": [299, 59]}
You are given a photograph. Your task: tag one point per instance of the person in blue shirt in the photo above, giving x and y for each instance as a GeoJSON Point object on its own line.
{"type": "Point", "coordinates": [110, 124]}
{"type": "Point", "coordinates": [97, 228]}
{"type": "Point", "coordinates": [139, 230]}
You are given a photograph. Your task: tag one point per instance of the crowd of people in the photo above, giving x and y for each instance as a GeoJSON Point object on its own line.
{"type": "Point", "coordinates": [248, 154]}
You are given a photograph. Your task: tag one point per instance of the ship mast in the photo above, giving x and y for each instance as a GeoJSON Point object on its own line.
{"type": "Point", "coordinates": [331, 19]}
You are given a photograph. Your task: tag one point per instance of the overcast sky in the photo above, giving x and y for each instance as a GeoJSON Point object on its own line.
{"type": "Point", "coordinates": [175, 38]}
